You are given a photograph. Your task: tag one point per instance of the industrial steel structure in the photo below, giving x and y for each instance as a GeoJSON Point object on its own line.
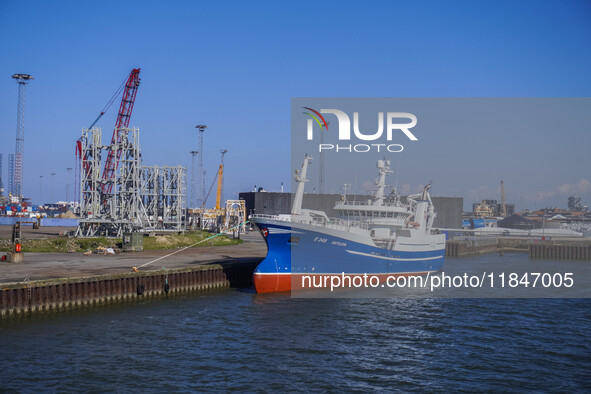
{"type": "Point", "coordinates": [134, 198]}
{"type": "Point", "coordinates": [163, 197]}
{"type": "Point", "coordinates": [22, 80]}
{"type": "Point", "coordinates": [235, 215]}
{"type": "Point", "coordinates": [125, 196]}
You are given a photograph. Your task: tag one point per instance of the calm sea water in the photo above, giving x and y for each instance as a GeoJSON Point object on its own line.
{"type": "Point", "coordinates": [237, 340]}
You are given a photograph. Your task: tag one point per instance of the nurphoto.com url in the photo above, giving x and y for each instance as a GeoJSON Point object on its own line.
{"type": "Point", "coordinates": [440, 280]}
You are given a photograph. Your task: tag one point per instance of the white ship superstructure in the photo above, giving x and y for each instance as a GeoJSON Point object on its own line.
{"type": "Point", "coordinates": [380, 236]}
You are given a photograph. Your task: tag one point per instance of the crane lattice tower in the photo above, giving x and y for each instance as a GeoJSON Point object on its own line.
{"type": "Point", "coordinates": [22, 80]}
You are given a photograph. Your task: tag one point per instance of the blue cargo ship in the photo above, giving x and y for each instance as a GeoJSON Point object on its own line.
{"type": "Point", "coordinates": [381, 236]}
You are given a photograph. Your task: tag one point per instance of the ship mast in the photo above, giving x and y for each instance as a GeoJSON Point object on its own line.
{"type": "Point", "coordinates": [383, 170]}
{"type": "Point", "coordinates": [300, 178]}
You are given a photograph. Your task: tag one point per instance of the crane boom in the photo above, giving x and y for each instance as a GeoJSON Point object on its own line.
{"type": "Point", "coordinates": [219, 191]}
{"type": "Point", "coordinates": [211, 187]}
{"type": "Point", "coordinates": [123, 118]}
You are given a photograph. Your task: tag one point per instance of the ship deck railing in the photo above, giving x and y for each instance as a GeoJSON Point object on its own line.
{"type": "Point", "coordinates": [397, 204]}
{"type": "Point", "coordinates": [263, 215]}
{"type": "Point", "coordinates": [335, 223]}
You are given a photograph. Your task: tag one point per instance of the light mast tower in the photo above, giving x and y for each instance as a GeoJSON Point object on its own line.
{"type": "Point", "coordinates": [193, 199]}
{"type": "Point", "coordinates": [22, 80]}
{"type": "Point", "coordinates": [200, 172]}
{"type": "Point", "coordinates": [1, 184]}
{"type": "Point", "coordinates": [11, 174]}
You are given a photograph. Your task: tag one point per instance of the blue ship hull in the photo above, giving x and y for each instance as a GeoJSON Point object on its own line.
{"type": "Point", "coordinates": [295, 249]}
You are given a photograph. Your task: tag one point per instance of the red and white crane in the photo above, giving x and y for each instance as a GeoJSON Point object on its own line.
{"type": "Point", "coordinates": [123, 118]}
{"type": "Point", "coordinates": [129, 87]}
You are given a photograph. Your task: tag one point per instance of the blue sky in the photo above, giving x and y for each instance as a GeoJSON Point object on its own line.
{"type": "Point", "coordinates": [235, 66]}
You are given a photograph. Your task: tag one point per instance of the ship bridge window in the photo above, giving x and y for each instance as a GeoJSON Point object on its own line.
{"type": "Point", "coordinates": [390, 214]}
{"type": "Point", "coordinates": [383, 214]}
{"type": "Point", "coordinates": [369, 213]}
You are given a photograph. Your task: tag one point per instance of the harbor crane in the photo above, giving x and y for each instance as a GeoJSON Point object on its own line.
{"type": "Point", "coordinates": [123, 118]}
{"type": "Point", "coordinates": [129, 87]}
{"type": "Point", "coordinates": [219, 176]}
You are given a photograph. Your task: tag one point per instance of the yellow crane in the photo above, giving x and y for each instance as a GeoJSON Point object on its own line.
{"type": "Point", "coordinates": [220, 178]}
{"type": "Point", "coordinates": [219, 191]}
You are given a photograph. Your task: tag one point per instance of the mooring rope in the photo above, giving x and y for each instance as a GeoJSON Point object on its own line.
{"type": "Point", "coordinates": [190, 246]}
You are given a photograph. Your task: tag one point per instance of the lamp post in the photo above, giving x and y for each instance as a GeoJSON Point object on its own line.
{"type": "Point", "coordinates": [201, 172]}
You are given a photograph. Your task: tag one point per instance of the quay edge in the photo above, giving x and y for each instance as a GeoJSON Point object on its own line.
{"type": "Point", "coordinates": [59, 294]}
{"type": "Point", "coordinates": [554, 250]}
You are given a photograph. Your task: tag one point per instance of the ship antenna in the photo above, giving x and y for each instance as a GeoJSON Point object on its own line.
{"type": "Point", "coordinates": [397, 173]}
{"type": "Point", "coordinates": [345, 187]}
{"type": "Point", "coordinates": [300, 178]}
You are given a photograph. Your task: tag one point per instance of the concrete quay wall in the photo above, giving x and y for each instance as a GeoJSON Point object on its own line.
{"type": "Point", "coordinates": [29, 297]}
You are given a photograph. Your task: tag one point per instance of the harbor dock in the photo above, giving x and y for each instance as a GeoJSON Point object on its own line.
{"type": "Point", "coordinates": [566, 249]}
{"type": "Point", "coordinates": [561, 250]}
{"type": "Point", "coordinates": [49, 282]}
{"type": "Point", "coordinates": [60, 281]}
